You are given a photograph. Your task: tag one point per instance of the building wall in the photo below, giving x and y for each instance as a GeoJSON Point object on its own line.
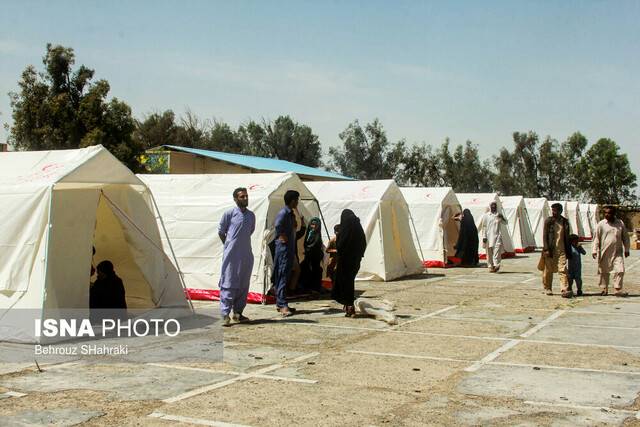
{"type": "Point", "coordinates": [186, 163]}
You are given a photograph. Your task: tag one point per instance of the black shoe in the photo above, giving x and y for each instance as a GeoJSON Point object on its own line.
{"type": "Point", "coordinates": [579, 293]}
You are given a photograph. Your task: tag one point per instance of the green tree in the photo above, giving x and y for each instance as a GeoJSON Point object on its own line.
{"type": "Point", "coordinates": [60, 108]}
{"type": "Point", "coordinates": [366, 153]}
{"type": "Point", "coordinates": [552, 180]}
{"type": "Point", "coordinates": [251, 137]}
{"type": "Point", "coordinates": [463, 170]}
{"type": "Point", "coordinates": [286, 139]}
{"type": "Point", "coordinates": [157, 129]}
{"type": "Point", "coordinates": [607, 175]}
{"type": "Point", "coordinates": [525, 164]}
{"type": "Point", "coordinates": [421, 167]}
{"type": "Point", "coordinates": [223, 138]}
{"type": "Point", "coordinates": [572, 151]}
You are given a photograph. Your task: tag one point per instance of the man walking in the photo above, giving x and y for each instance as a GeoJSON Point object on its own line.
{"type": "Point", "coordinates": [285, 250]}
{"type": "Point", "coordinates": [610, 241]}
{"type": "Point", "coordinates": [491, 226]}
{"type": "Point", "coordinates": [235, 230]}
{"type": "Point", "coordinates": [556, 250]}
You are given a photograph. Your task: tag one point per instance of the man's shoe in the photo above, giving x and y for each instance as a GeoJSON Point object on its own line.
{"type": "Point", "coordinates": [621, 294]}
{"type": "Point", "coordinates": [579, 293]}
{"type": "Point", "coordinates": [238, 317]}
{"type": "Point", "coordinates": [548, 292]}
{"type": "Point", "coordinates": [567, 294]}
{"type": "Point", "coordinates": [226, 321]}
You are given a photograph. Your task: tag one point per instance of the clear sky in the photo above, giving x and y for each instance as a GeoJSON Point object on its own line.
{"type": "Point", "coordinates": [474, 70]}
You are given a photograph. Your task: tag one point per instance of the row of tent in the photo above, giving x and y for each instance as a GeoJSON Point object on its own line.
{"type": "Point", "coordinates": [160, 231]}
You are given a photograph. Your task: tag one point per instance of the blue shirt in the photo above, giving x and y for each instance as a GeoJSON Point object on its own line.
{"type": "Point", "coordinates": [284, 225]}
{"type": "Point", "coordinates": [575, 263]}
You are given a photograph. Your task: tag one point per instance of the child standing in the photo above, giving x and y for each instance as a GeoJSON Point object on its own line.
{"type": "Point", "coordinates": [575, 264]}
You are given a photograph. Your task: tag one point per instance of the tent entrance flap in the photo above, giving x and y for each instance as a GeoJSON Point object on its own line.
{"type": "Point", "coordinates": [114, 241]}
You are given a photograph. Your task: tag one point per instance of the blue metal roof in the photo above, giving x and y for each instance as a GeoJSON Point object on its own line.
{"type": "Point", "coordinates": [260, 163]}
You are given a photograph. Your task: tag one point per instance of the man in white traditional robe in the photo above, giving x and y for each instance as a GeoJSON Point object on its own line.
{"type": "Point", "coordinates": [610, 248]}
{"type": "Point", "coordinates": [491, 229]}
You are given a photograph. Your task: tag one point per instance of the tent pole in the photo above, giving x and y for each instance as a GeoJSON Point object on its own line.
{"type": "Point", "coordinates": [326, 229]}
{"type": "Point", "coordinates": [46, 249]}
{"type": "Point", "coordinates": [173, 254]}
{"type": "Point", "coordinates": [416, 234]}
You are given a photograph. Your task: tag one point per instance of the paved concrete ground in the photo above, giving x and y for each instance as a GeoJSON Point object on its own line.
{"type": "Point", "coordinates": [471, 348]}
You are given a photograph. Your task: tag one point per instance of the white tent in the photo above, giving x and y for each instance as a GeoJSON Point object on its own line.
{"type": "Point", "coordinates": [190, 208]}
{"type": "Point", "coordinates": [538, 211]}
{"type": "Point", "coordinates": [573, 215]}
{"type": "Point", "coordinates": [55, 206]}
{"type": "Point", "coordinates": [594, 216]}
{"type": "Point", "coordinates": [385, 217]}
{"type": "Point", "coordinates": [432, 210]}
{"type": "Point", "coordinates": [478, 204]}
{"type": "Point", "coordinates": [584, 219]}
{"type": "Point", "coordinates": [519, 226]}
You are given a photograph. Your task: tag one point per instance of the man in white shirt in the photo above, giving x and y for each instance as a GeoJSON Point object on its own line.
{"type": "Point", "coordinates": [491, 228]}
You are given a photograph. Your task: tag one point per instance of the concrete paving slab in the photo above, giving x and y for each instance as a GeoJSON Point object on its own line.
{"type": "Point", "coordinates": [569, 333]}
{"type": "Point", "coordinates": [539, 415]}
{"type": "Point", "coordinates": [127, 382]}
{"type": "Point", "coordinates": [423, 345]}
{"type": "Point", "coordinates": [259, 402]}
{"type": "Point", "coordinates": [549, 385]}
{"type": "Point", "coordinates": [51, 417]}
{"type": "Point", "coordinates": [615, 306]}
{"type": "Point", "coordinates": [496, 312]}
{"type": "Point", "coordinates": [605, 319]}
{"type": "Point", "coordinates": [573, 357]}
{"type": "Point", "coordinates": [293, 336]}
{"type": "Point", "coordinates": [378, 372]}
{"type": "Point", "coordinates": [461, 327]}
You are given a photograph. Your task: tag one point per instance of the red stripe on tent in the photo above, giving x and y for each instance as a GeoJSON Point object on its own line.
{"type": "Point", "coordinates": [214, 295]}
{"type": "Point", "coordinates": [525, 250]}
{"type": "Point", "coordinates": [504, 255]}
{"type": "Point", "coordinates": [431, 263]}
{"type": "Point", "coordinates": [586, 239]}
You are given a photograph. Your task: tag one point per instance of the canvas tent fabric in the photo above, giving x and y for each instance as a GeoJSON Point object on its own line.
{"type": "Point", "coordinates": [432, 210]}
{"type": "Point", "coordinates": [538, 210]}
{"type": "Point", "coordinates": [594, 216]}
{"type": "Point", "coordinates": [55, 206]}
{"type": "Point", "coordinates": [575, 221]}
{"type": "Point", "coordinates": [519, 225]}
{"type": "Point", "coordinates": [478, 204]}
{"type": "Point", "coordinates": [385, 218]}
{"type": "Point", "coordinates": [585, 221]}
{"type": "Point", "coordinates": [190, 207]}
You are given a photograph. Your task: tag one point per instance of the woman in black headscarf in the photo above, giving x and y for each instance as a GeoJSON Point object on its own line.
{"type": "Point", "coordinates": [311, 266]}
{"type": "Point", "coordinates": [467, 245]}
{"type": "Point", "coordinates": [350, 247]}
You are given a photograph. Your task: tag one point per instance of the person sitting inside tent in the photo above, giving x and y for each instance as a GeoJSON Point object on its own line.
{"type": "Point", "coordinates": [93, 269]}
{"type": "Point", "coordinates": [467, 244]}
{"type": "Point", "coordinates": [107, 292]}
{"type": "Point", "coordinates": [311, 266]}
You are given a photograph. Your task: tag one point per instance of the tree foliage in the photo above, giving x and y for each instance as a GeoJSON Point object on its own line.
{"type": "Point", "coordinates": [283, 138]}
{"type": "Point", "coordinates": [60, 108]}
{"type": "Point", "coordinates": [607, 175]}
{"type": "Point", "coordinates": [366, 152]}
